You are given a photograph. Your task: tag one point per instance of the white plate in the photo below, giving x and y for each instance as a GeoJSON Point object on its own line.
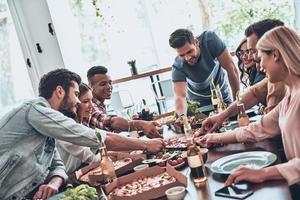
{"type": "Point", "coordinates": [251, 159]}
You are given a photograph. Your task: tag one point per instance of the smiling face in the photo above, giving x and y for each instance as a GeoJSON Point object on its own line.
{"type": "Point", "coordinates": [251, 49]}
{"type": "Point", "coordinates": [272, 63]}
{"type": "Point", "coordinates": [102, 86]}
{"type": "Point", "coordinates": [189, 52]}
{"type": "Point", "coordinates": [244, 57]}
{"type": "Point", "coordinates": [70, 102]}
{"type": "Point", "coordinates": [85, 107]}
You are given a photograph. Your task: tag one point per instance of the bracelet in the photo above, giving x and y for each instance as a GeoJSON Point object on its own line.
{"type": "Point", "coordinates": [219, 139]}
{"type": "Point", "coordinates": [129, 127]}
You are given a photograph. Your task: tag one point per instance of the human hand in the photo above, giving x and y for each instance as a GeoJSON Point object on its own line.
{"type": "Point", "coordinates": [154, 145]}
{"type": "Point", "coordinates": [244, 173]}
{"type": "Point", "coordinates": [208, 139]}
{"type": "Point", "coordinates": [212, 123]}
{"type": "Point", "coordinates": [151, 129]}
{"type": "Point", "coordinates": [179, 121]}
{"type": "Point", "coordinates": [45, 191]}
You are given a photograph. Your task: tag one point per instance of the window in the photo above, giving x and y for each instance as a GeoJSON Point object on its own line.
{"type": "Point", "coordinates": [15, 85]}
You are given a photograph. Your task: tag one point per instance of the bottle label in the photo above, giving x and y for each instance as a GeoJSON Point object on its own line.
{"type": "Point", "coordinates": [194, 161]}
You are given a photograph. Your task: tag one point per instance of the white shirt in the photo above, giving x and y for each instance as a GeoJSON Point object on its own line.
{"type": "Point", "coordinates": [74, 156]}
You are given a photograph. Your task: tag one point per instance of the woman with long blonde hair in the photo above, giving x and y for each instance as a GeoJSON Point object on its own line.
{"type": "Point", "coordinates": [279, 52]}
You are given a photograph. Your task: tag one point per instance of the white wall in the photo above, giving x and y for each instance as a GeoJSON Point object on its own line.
{"type": "Point", "coordinates": [31, 18]}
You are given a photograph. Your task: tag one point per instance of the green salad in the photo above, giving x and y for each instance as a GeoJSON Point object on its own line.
{"type": "Point", "coordinates": [81, 192]}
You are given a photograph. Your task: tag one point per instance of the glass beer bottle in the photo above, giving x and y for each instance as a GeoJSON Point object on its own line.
{"type": "Point", "coordinates": [188, 132]}
{"type": "Point", "coordinates": [242, 118]}
{"type": "Point", "coordinates": [214, 96]}
{"type": "Point", "coordinates": [196, 164]}
{"type": "Point", "coordinates": [221, 104]}
{"type": "Point", "coordinates": [107, 165]}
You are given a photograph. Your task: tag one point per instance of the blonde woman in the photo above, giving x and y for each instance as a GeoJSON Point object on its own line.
{"type": "Point", "coordinates": [279, 52]}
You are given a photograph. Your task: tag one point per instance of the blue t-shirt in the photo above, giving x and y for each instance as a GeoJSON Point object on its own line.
{"type": "Point", "coordinates": [198, 76]}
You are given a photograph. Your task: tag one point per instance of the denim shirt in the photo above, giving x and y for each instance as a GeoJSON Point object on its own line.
{"type": "Point", "coordinates": [28, 156]}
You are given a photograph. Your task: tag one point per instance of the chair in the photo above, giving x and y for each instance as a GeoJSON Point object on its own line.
{"type": "Point", "coordinates": [163, 90]}
{"type": "Point", "coordinates": [121, 100]}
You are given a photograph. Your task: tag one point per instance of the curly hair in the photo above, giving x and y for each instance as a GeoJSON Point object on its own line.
{"type": "Point", "coordinates": [58, 77]}
{"type": "Point", "coordinates": [247, 76]}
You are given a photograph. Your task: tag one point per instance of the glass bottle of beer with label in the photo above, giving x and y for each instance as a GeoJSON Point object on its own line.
{"type": "Point", "coordinates": [242, 118]}
{"type": "Point", "coordinates": [221, 104]}
{"type": "Point", "coordinates": [214, 96]}
{"type": "Point", "coordinates": [196, 164]}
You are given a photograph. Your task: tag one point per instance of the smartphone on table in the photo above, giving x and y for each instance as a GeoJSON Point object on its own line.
{"type": "Point", "coordinates": [236, 191]}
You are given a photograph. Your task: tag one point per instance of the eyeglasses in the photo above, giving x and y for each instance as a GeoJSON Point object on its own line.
{"type": "Point", "coordinates": [246, 52]}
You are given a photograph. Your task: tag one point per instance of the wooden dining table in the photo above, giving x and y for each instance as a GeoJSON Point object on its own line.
{"type": "Point", "coordinates": [273, 190]}
{"type": "Point", "coordinates": [269, 190]}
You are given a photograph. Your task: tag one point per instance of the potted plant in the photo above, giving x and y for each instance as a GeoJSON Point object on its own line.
{"type": "Point", "coordinates": [133, 68]}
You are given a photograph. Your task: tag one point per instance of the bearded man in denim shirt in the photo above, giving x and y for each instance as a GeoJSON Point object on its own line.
{"type": "Point", "coordinates": [29, 162]}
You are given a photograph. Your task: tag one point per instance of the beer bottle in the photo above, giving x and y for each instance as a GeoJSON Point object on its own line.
{"type": "Point", "coordinates": [106, 165]}
{"type": "Point", "coordinates": [145, 111]}
{"type": "Point", "coordinates": [214, 95]}
{"type": "Point", "coordinates": [242, 118]}
{"type": "Point", "coordinates": [196, 164]}
{"type": "Point", "coordinates": [221, 105]}
{"type": "Point", "coordinates": [188, 132]}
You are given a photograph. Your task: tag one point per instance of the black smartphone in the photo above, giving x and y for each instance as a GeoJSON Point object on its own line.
{"type": "Point", "coordinates": [236, 191]}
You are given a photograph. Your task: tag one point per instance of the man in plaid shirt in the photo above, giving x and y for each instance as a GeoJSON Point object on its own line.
{"type": "Point", "coordinates": [101, 84]}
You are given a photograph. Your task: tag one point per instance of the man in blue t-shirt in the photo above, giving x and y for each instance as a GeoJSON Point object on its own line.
{"type": "Point", "coordinates": [199, 61]}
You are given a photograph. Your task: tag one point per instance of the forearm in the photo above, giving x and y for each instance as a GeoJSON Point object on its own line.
{"type": "Point", "coordinates": [224, 138]}
{"type": "Point", "coordinates": [137, 124]}
{"type": "Point", "coordinates": [57, 168]}
{"type": "Point", "coordinates": [56, 181]}
{"type": "Point", "coordinates": [115, 142]}
{"type": "Point", "coordinates": [119, 124]}
{"type": "Point", "coordinates": [271, 173]}
{"type": "Point", "coordinates": [180, 105]}
{"type": "Point", "coordinates": [249, 100]}
{"type": "Point", "coordinates": [229, 111]}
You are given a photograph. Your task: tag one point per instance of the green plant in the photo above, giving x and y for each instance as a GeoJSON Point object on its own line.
{"type": "Point", "coordinates": [192, 108]}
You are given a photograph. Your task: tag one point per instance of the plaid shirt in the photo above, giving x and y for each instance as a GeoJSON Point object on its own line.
{"type": "Point", "coordinates": [99, 118]}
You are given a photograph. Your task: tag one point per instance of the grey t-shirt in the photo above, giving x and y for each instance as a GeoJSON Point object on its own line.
{"type": "Point", "coordinates": [198, 76]}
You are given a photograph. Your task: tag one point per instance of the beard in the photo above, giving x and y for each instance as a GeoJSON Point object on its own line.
{"type": "Point", "coordinates": [66, 108]}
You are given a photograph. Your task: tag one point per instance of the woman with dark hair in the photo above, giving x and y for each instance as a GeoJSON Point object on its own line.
{"type": "Point", "coordinates": [249, 73]}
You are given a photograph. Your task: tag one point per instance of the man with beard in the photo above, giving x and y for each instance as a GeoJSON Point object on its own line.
{"type": "Point", "coordinates": [29, 163]}
{"type": "Point", "coordinates": [201, 60]}
{"type": "Point", "coordinates": [30, 166]}
{"type": "Point", "coordinates": [101, 85]}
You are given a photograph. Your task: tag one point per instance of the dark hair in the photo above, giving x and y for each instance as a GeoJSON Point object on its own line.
{"type": "Point", "coordinates": [261, 27]}
{"type": "Point", "coordinates": [250, 72]}
{"type": "Point", "coordinates": [179, 37]}
{"type": "Point", "coordinates": [96, 70]}
{"type": "Point", "coordinates": [52, 79]}
{"type": "Point", "coordinates": [240, 63]}
{"type": "Point", "coordinates": [83, 88]}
